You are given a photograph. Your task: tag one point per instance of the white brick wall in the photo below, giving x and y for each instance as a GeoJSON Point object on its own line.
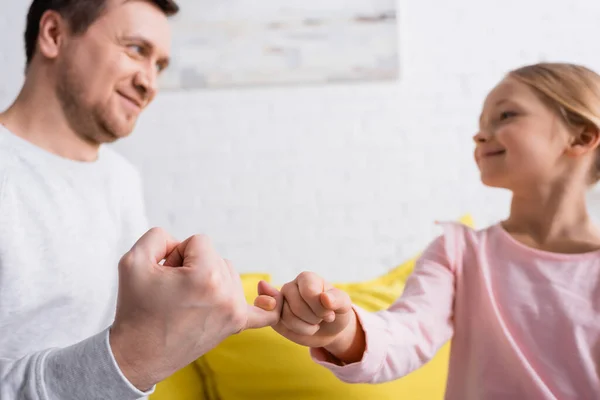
{"type": "Point", "coordinates": [345, 180]}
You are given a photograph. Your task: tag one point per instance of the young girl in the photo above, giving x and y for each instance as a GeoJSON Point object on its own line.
{"type": "Point", "coordinates": [520, 300]}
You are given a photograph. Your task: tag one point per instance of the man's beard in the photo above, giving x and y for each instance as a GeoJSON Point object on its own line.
{"type": "Point", "coordinates": [91, 124]}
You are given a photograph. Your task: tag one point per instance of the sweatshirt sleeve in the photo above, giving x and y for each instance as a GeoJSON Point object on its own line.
{"type": "Point", "coordinates": [407, 335]}
{"type": "Point", "coordinates": [86, 370]}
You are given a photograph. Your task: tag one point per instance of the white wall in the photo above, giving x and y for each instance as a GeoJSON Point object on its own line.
{"type": "Point", "coordinates": [345, 180]}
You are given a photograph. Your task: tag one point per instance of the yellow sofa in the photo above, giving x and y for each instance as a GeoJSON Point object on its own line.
{"type": "Point", "coordinates": [260, 364]}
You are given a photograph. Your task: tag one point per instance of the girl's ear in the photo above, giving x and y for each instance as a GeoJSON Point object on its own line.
{"type": "Point", "coordinates": [585, 140]}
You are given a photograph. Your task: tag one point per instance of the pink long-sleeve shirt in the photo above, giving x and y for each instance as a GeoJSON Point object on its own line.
{"type": "Point", "coordinates": [524, 323]}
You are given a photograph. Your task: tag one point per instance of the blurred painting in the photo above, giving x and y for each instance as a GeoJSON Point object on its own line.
{"type": "Point", "coordinates": [233, 43]}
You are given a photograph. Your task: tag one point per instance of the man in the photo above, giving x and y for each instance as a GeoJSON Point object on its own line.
{"type": "Point", "coordinates": [70, 208]}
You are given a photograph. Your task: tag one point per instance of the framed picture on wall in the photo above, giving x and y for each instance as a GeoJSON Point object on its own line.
{"type": "Point", "coordinates": [236, 43]}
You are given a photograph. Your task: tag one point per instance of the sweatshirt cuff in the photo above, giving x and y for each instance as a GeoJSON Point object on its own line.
{"type": "Point", "coordinates": [88, 370]}
{"type": "Point", "coordinates": [363, 371]}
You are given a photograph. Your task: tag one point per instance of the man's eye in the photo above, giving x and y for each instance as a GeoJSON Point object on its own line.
{"type": "Point", "coordinates": [136, 49]}
{"type": "Point", "coordinates": [507, 115]}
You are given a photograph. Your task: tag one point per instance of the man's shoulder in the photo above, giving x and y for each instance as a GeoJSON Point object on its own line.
{"type": "Point", "coordinates": [8, 162]}
{"type": "Point", "coordinates": [7, 150]}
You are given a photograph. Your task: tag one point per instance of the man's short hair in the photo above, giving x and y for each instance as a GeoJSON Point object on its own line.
{"type": "Point", "coordinates": [80, 14]}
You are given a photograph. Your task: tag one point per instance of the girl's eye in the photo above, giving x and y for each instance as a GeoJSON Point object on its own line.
{"type": "Point", "coordinates": [507, 114]}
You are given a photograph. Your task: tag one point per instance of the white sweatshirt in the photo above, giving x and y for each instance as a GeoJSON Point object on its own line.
{"type": "Point", "coordinates": [64, 225]}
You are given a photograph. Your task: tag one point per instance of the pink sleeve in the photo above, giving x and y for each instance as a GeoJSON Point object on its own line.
{"type": "Point", "coordinates": [408, 334]}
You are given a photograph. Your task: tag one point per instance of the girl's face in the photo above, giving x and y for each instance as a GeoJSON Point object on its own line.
{"type": "Point", "coordinates": [521, 141]}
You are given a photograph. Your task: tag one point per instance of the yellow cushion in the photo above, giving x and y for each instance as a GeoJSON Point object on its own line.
{"type": "Point", "coordinates": [260, 364]}
{"type": "Point", "coordinates": [188, 383]}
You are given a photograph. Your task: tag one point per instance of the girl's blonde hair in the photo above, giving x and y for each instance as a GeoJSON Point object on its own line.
{"type": "Point", "coordinates": [573, 91]}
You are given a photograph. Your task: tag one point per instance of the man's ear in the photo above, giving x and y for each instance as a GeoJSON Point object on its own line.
{"type": "Point", "coordinates": [53, 31]}
{"type": "Point", "coordinates": [585, 139]}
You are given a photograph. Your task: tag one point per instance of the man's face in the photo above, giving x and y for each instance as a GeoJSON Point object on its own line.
{"type": "Point", "coordinates": [107, 76]}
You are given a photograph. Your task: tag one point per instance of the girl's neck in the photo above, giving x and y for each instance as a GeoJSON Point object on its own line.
{"type": "Point", "coordinates": [553, 219]}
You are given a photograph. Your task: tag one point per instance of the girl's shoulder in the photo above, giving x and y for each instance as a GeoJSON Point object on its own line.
{"type": "Point", "coordinates": [459, 241]}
